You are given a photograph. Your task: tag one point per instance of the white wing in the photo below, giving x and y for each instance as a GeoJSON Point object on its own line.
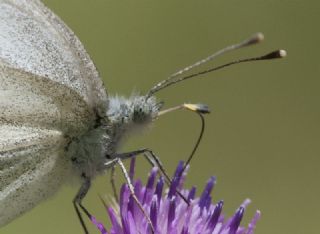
{"type": "Point", "coordinates": [31, 100]}
{"type": "Point", "coordinates": [36, 115]}
{"type": "Point", "coordinates": [49, 91]}
{"type": "Point", "coordinates": [31, 168]}
{"type": "Point", "coordinates": [35, 40]}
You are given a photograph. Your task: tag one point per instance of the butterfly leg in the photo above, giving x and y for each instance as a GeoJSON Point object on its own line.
{"type": "Point", "coordinates": [149, 155]}
{"type": "Point", "coordinates": [112, 164]}
{"type": "Point", "coordinates": [154, 160]}
{"type": "Point", "coordinates": [78, 199]}
{"type": "Point", "coordinates": [113, 183]}
{"type": "Point", "coordinates": [118, 161]}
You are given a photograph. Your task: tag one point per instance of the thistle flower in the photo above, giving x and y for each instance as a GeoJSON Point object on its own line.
{"type": "Point", "coordinates": [169, 213]}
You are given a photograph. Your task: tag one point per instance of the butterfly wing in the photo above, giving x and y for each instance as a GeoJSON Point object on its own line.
{"type": "Point", "coordinates": [31, 100]}
{"type": "Point", "coordinates": [35, 40]}
{"type": "Point", "coordinates": [37, 120]}
{"type": "Point", "coordinates": [31, 168]}
{"type": "Point", "coordinates": [49, 92]}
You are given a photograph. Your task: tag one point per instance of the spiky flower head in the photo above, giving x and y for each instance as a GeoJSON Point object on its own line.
{"type": "Point", "coordinates": [170, 213]}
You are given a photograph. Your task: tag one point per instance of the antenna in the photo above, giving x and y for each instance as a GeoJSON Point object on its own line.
{"type": "Point", "coordinates": [174, 78]}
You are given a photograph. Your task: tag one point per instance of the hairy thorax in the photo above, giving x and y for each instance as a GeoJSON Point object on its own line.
{"type": "Point", "coordinates": [87, 152]}
{"type": "Point", "coordinates": [90, 152]}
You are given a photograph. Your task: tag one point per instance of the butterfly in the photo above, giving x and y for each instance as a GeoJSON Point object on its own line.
{"type": "Point", "coordinates": [57, 120]}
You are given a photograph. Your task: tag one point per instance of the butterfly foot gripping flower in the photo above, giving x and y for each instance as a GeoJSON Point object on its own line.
{"type": "Point", "coordinates": [170, 213]}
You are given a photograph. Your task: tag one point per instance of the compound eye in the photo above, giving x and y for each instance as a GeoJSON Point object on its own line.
{"type": "Point", "coordinates": [138, 115]}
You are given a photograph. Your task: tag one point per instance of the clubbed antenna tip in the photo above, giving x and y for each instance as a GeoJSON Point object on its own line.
{"type": "Point", "coordinates": [256, 38]}
{"type": "Point", "coordinates": [274, 55]}
{"type": "Point", "coordinates": [283, 53]}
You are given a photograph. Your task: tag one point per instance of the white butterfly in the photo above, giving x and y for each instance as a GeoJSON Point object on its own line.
{"type": "Point", "coordinates": [56, 120]}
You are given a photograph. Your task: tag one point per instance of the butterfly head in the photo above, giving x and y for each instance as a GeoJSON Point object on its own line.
{"type": "Point", "coordinates": [132, 112]}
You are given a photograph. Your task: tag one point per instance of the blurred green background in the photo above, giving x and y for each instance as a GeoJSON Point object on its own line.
{"type": "Point", "coordinates": [262, 138]}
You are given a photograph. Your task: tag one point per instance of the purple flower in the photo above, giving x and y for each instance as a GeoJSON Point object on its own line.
{"type": "Point", "coordinates": [169, 213]}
